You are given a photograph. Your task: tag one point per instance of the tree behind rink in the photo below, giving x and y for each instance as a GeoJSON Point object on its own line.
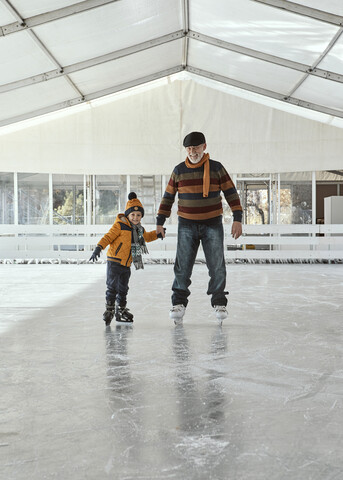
{"type": "Point", "coordinates": [107, 205]}
{"type": "Point", "coordinates": [68, 206]}
{"type": "Point", "coordinates": [68, 209]}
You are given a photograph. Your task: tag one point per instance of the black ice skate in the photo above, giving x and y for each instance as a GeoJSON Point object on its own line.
{"type": "Point", "coordinates": [109, 313]}
{"type": "Point", "coordinates": [123, 314]}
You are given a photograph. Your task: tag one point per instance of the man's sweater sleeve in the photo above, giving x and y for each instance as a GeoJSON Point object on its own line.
{"type": "Point", "coordinates": [231, 195]}
{"type": "Point", "coordinates": [167, 201]}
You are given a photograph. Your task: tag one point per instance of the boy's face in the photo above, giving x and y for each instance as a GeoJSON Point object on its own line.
{"type": "Point", "coordinates": [135, 217]}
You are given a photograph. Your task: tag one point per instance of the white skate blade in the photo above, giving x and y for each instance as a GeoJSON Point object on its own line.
{"type": "Point", "coordinates": [123, 322]}
{"type": "Point", "coordinates": [178, 321]}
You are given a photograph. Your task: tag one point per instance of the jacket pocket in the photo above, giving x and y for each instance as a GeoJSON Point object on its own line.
{"type": "Point", "coordinates": [118, 248]}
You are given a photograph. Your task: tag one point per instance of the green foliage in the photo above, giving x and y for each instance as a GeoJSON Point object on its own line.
{"type": "Point", "coordinates": [66, 209]}
{"type": "Point", "coordinates": [108, 202]}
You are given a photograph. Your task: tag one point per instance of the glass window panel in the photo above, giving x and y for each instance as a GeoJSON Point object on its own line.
{"type": "Point", "coordinates": [296, 198]}
{"type": "Point", "coordinates": [33, 198]}
{"type": "Point", "coordinates": [6, 198]}
{"type": "Point", "coordinates": [148, 190]}
{"type": "Point", "coordinates": [254, 194]}
{"type": "Point", "coordinates": [110, 198]}
{"type": "Point", "coordinates": [68, 199]}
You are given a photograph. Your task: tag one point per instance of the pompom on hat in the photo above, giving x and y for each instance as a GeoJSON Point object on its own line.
{"type": "Point", "coordinates": [133, 205]}
{"type": "Point", "coordinates": [194, 139]}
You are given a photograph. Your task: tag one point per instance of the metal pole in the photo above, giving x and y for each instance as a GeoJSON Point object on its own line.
{"type": "Point", "coordinates": [128, 185]}
{"type": "Point", "coordinates": [314, 206]}
{"type": "Point", "coordinates": [93, 199]}
{"type": "Point", "coordinates": [314, 198]}
{"type": "Point", "coordinates": [51, 200]}
{"type": "Point", "coordinates": [84, 200]}
{"type": "Point", "coordinates": [15, 200]}
{"type": "Point", "coordinates": [89, 204]}
{"type": "Point", "coordinates": [279, 199]}
{"type": "Point", "coordinates": [74, 204]}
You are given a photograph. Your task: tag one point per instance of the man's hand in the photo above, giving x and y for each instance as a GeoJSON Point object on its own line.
{"type": "Point", "coordinates": [160, 229]}
{"type": "Point", "coordinates": [236, 230]}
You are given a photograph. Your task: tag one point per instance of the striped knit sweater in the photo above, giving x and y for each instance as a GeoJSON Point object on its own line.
{"type": "Point", "coordinates": [188, 183]}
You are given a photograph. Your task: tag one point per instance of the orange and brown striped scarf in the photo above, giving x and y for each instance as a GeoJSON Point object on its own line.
{"type": "Point", "coordinates": [206, 178]}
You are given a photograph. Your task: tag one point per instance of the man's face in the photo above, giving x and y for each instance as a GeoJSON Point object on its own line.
{"type": "Point", "coordinates": [195, 154]}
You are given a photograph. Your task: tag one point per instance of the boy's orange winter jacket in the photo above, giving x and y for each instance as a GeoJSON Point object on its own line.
{"type": "Point", "coordinates": [119, 240]}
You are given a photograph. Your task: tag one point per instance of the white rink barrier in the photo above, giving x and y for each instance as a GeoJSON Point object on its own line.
{"type": "Point", "coordinates": [74, 243]}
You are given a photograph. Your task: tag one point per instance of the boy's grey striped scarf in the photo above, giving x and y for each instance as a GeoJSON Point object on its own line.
{"type": "Point", "coordinates": [138, 246]}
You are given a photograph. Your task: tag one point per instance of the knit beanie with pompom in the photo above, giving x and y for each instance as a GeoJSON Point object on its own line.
{"type": "Point", "coordinates": [133, 205]}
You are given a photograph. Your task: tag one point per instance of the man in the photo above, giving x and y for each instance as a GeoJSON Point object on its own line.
{"type": "Point", "coordinates": [198, 182]}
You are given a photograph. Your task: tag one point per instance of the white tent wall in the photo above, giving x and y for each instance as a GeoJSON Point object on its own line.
{"type": "Point", "coordinates": [137, 133]}
{"type": "Point", "coordinates": [251, 138]}
{"type": "Point", "coordinates": [140, 132]}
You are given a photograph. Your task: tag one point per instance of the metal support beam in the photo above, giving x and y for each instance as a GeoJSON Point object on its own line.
{"type": "Point", "coordinates": [40, 44]}
{"type": "Point", "coordinates": [76, 67]}
{"type": "Point", "coordinates": [92, 96]}
{"type": "Point", "coordinates": [52, 16]}
{"type": "Point", "coordinates": [304, 11]}
{"type": "Point", "coordinates": [265, 92]}
{"type": "Point", "coordinates": [185, 23]}
{"type": "Point", "coordinates": [336, 172]}
{"type": "Point", "coordinates": [301, 67]}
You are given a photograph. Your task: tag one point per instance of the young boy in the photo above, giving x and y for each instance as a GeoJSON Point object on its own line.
{"type": "Point", "coordinates": [127, 240]}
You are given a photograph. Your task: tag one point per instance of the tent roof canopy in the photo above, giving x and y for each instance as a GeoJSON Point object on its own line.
{"type": "Point", "coordinates": [59, 53]}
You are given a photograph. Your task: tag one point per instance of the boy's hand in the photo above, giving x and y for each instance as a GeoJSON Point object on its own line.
{"type": "Point", "coordinates": [95, 254]}
{"type": "Point", "coordinates": [160, 230]}
{"type": "Point", "coordinates": [236, 230]}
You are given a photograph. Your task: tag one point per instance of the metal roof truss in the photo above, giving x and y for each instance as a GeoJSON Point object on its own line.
{"type": "Point", "coordinates": [184, 33]}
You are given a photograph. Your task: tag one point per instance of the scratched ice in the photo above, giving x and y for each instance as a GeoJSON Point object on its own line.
{"type": "Point", "coordinates": [259, 398]}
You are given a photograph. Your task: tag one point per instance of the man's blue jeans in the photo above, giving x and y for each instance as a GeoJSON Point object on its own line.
{"type": "Point", "coordinates": [190, 234]}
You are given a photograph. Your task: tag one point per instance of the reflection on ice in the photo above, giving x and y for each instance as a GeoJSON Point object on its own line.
{"type": "Point", "coordinates": [259, 397]}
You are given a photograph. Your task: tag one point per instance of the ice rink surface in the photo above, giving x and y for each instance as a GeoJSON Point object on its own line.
{"type": "Point", "coordinates": [258, 398]}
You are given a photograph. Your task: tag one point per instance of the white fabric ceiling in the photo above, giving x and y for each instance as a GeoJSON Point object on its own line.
{"type": "Point", "coordinates": [59, 53]}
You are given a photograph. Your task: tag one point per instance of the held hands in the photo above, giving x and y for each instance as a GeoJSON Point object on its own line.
{"type": "Point", "coordinates": [95, 254]}
{"type": "Point", "coordinates": [236, 230]}
{"type": "Point", "coordinates": [161, 231]}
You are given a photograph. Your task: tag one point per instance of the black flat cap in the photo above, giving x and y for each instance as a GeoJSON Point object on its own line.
{"type": "Point", "coordinates": [194, 139]}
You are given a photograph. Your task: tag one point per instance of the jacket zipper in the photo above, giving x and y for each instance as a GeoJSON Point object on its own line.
{"type": "Point", "coordinates": [128, 258]}
{"type": "Point", "coordinates": [118, 248]}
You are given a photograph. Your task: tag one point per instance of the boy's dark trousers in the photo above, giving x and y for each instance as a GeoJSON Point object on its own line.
{"type": "Point", "coordinates": [117, 283]}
